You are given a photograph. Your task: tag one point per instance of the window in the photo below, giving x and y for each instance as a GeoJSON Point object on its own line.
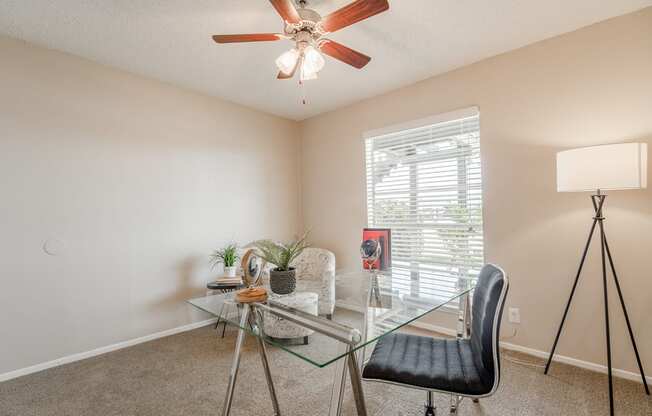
{"type": "Point", "coordinates": [424, 182]}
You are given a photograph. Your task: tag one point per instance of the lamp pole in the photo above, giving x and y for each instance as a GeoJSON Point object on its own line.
{"type": "Point", "coordinates": [598, 202]}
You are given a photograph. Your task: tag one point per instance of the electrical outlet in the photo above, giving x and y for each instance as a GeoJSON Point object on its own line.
{"type": "Point", "coordinates": [514, 316]}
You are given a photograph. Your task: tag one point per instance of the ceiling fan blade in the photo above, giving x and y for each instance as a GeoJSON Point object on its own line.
{"type": "Point", "coordinates": [343, 53]}
{"type": "Point", "coordinates": [286, 9]}
{"type": "Point", "coordinates": [283, 75]}
{"type": "Point", "coordinates": [353, 13]}
{"type": "Point", "coordinates": [250, 37]}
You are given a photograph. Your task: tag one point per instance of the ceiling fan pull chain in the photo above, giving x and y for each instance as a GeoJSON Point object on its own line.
{"type": "Point", "coordinates": [302, 87]}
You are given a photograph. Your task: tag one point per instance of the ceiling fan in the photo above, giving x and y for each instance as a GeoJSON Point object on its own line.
{"type": "Point", "coordinates": [307, 29]}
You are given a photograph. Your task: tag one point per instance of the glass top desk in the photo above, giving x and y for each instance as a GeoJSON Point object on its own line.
{"type": "Point", "coordinates": [368, 307]}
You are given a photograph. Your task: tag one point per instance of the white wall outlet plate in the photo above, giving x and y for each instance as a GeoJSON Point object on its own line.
{"type": "Point", "coordinates": [514, 315]}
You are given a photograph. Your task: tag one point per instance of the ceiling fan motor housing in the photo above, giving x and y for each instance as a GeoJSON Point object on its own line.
{"type": "Point", "coordinates": [309, 24]}
{"type": "Point", "coordinates": [309, 15]}
{"type": "Point", "coordinates": [307, 31]}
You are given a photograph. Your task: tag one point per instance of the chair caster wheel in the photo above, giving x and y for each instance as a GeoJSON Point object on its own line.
{"type": "Point", "coordinates": [430, 411]}
{"type": "Point", "coordinates": [476, 401]}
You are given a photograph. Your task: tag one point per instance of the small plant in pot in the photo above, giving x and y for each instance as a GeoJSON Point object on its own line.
{"type": "Point", "coordinates": [228, 256]}
{"type": "Point", "coordinates": [282, 279]}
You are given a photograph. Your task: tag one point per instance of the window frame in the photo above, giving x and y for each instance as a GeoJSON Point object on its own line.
{"type": "Point", "coordinates": [421, 123]}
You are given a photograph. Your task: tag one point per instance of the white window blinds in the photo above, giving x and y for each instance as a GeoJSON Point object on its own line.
{"type": "Point", "coordinates": [425, 183]}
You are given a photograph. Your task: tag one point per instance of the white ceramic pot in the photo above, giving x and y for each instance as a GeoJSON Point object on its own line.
{"type": "Point", "coordinates": [230, 271]}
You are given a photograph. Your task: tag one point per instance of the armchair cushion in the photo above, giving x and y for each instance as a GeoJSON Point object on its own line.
{"type": "Point", "coordinates": [316, 273]}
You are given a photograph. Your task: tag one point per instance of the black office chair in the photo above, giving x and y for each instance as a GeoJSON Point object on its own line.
{"type": "Point", "coordinates": [462, 367]}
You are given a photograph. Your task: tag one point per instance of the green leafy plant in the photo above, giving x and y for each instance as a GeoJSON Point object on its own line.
{"type": "Point", "coordinates": [281, 254]}
{"type": "Point", "coordinates": [227, 255]}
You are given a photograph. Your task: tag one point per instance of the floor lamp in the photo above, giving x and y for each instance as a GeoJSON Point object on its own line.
{"type": "Point", "coordinates": [599, 168]}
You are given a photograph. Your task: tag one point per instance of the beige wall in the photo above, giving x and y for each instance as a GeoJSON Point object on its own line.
{"type": "Point", "coordinates": [139, 180]}
{"type": "Point", "coordinates": [129, 174]}
{"type": "Point", "coordinates": [589, 87]}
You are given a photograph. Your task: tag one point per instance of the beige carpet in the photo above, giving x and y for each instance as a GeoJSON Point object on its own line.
{"type": "Point", "coordinates": [186, 374]}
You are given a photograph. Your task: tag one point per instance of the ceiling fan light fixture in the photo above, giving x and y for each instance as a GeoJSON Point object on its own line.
{"type": "Point", "coordinates": [313, 61]}
{"type": "Point", "coordinates": [307, 74]}
{"type": "Point", "coordinates": [287, 61]}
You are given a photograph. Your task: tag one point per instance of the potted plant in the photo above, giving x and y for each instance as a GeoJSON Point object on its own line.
{"type": "Point", "coordinates": [227, 255]}
{"type": "Point", "coordinates": [282, 279]}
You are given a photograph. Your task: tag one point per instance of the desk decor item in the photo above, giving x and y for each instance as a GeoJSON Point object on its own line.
{"type": "Point", "coordinates": [371, 251]}
{"type": "Point", "coordinates": [384, 238]}
{"type": "Point", "coordinates": [599, 168]}
{"type": "Point", "coordinates": [225, 280]}
{"type": "Point", "coordinates": [282, 279]}
{"type": "Point", "coordinates": [227, 256]}
{"type": "Point", "coordinates": [251, 294]}
{"type": "Point", "coordinates": [252, 268]}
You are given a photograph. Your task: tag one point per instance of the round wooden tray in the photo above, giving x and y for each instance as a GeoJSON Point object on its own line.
{"type": "Point", "coordinates": [252, 294]}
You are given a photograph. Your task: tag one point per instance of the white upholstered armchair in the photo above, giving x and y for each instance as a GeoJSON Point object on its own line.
{"type": "Point", "coordinates": [316, 273]}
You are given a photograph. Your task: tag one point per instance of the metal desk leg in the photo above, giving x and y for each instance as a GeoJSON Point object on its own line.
{"type": "Point", "coordinates": [263, 357]}
{"type": "Point", "coordinates": [236, 362]}
{"type": "Point", "coordinates": [356, 384]}
{"type": "Point", "coordinates": [367, 302]}
{"type": "Point", "coordinates": [362, 352]}
{"type": "Point", "coordinates": [339, 383]}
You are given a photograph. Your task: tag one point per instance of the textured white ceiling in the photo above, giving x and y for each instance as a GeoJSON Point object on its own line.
{"type": "Point", "coordinates": [171, 40]}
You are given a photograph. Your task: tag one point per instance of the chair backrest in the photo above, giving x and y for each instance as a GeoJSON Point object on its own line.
{"type": "Point", "coordinates": [313, 263]}
{"type": "Point", "coordinates": [487, 310]}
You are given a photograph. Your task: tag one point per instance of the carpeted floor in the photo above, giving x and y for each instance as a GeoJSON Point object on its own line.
{"type": "Point", "coordinates": [186, 374]}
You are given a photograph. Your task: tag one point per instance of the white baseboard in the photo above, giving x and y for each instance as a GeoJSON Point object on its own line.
{"type": "Point", "coordinates": [429, 327]}
{"type": "Point", "coordinates": [543, 354]}
{"type": "Point", "coordinates": [102, 350]}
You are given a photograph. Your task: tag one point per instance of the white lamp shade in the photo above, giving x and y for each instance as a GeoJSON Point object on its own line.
{"type": "Point", "coordinates": [607, 167]}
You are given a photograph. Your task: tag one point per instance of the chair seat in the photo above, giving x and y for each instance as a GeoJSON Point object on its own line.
{"type": "Point", "coordinates": [429, 363]}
